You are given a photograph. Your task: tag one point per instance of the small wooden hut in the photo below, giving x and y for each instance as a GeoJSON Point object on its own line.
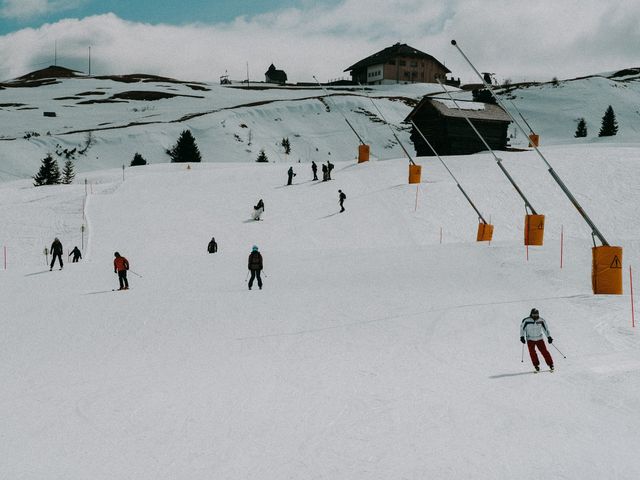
{"type": "Point", "coordinates": [444, 125]}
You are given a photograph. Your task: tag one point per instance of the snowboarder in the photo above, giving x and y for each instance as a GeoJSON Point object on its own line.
{"type": "Point", "coordinates": [341, 198]}
{"type": "Point", "coordinates": [120, 266]}
{"type": "Point", "coordinates": [329, 168]}
{"type": "Point", "coordinates": [314, 169]}
{"type": "Point", "coordinates": [290, 175]}
{"type": "Point", "coordinates": [255, 266]}
{"type": "Point", "coordinates": [324, 172]}
{"type": "Point", "coordinates": [258, 210]}
{"type": "Point", "coordinates": [532, 331]}
{"type": "Point", "coordinates": [56, 252]}
{"type": "Point", "coordinates": [213, 246]}
{"type": "Point", "coordinates": [76, 254]}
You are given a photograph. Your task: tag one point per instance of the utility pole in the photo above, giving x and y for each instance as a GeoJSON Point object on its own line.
{"type": "Point", "coordinates": [55, 53]}
{"type": "Point", "coordinates": [89, 60]}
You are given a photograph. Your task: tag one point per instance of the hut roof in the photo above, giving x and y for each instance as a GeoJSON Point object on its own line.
{"type": "Point", "coordinates": [467, 108]}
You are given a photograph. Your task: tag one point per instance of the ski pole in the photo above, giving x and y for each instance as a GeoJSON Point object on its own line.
{"type": "Point", "coordinates": [522, 359]}
{"type": "Point", "coordinates": [247, 277]}
{"type": "Point", "coordinates": [136, 274]}
{"type": "Point", "coordinates": [554, 346]}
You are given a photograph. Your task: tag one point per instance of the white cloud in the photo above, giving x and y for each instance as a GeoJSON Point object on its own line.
{"type": "Point", "coordinates": [514, 39]}
{"type": "Point", "coordinates": [23, 9]}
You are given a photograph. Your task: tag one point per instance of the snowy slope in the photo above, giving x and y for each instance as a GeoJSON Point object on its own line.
{"type": "Point", "coordinates": [373, 351]}
{"type": "Point", "coordinates": [234, 124]}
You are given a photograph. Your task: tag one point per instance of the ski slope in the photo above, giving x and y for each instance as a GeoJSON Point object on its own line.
{"type": "Point", "coordinates": [375, 350]}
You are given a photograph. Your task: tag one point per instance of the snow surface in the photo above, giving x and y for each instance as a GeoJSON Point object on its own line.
{"type": "Point", "coordinates": [385, 342]}
{"type": "Point", "coordinates": [374, 351]}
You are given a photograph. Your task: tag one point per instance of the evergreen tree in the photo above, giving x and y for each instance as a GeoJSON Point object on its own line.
{"type": "Point", "coordinates": [262, 157]}
{"type": "Point", "coordinates": [609, 125]}
{"type": "Point", "coordinates": [185, 150]}
{"type": "Point", "coordinates": [138, 160]}
{"type": "Point", "coordinates": [68, 173]}
{"type": "Point", "coordinates": [49, 173]}
{"type": "Point", "coordinates": [581, 131]}
{"type": "Point", "coordinates": [286, 145]}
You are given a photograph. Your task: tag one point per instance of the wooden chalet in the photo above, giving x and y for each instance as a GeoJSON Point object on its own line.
{"type": "Point", "coordinates": [445, 127]}
{"type": "Point", "coordinates": [399, 63]}
{"type": "Point", "coordinates": [273, 75]}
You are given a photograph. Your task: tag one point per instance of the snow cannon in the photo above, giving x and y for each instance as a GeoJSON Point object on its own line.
{"type": "Point", "coordinates": [363, 153]}
{"type": "Point", "coordinates": [485, 232]}
{"type": "Point", "coordinates": [415, 173]}
{"type": "Point", "coordinates": [534, 230]}
{"type": "Point", "coordinates": [606, 272]}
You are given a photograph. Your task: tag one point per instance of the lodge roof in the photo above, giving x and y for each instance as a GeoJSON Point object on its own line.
{"type": "Point", "coordinates": [397, 50]}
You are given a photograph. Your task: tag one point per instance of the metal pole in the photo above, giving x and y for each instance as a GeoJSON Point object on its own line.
{"type": "Point", "coordinates": [341, 113]}
{"type": "Point", "coordinates": [554, 346]}
{"type": "Point", "coordinates": [389, 125]}
{"type": "Point", "coordinates": [523, 119]}
{"type": "Point", "coordinates": [498, 160]}
{"type": "Point", "coordinates": [555, 176]}
{"type": "Point", "coordinates": [450, 173]}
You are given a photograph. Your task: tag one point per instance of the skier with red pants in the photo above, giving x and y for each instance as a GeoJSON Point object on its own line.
{"type": "Point", "coordinates": [533, 329]}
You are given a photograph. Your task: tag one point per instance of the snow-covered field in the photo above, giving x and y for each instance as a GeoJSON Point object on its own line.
{"type": "Point", "coordinates": [376, 350]}
{"type": "Point", "coordinates": [385, 343]}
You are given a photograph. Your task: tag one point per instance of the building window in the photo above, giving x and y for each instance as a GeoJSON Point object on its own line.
{"type": "Point", "coordinates": [402, 63]}
{"type": "Point", "coordinates": [414, 63]}
{"type": "Point", "coordinates": [392, 61]}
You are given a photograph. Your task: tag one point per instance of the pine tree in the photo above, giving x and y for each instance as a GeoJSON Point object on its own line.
{"type": "Point", "coordinates": [262, 157]}
{"type": "Point", "coordinates": [138, 160]}
{"type": "Point", "coordinates": [185, 150]}
{"type": "Point", "coordinates": [581, 131]}
{"type": "Point", "coordinates": [609, 125]}
{"type": "Point", "coordinates": [68, 173]}
{"type": "Point", "coordinates": [49, 173]}
{"type": "Point", "coordinates": [286, 145]}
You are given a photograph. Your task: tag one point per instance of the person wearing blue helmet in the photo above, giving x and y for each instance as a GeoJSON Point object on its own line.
{"type": "Point", "coordinates": [255, 266]}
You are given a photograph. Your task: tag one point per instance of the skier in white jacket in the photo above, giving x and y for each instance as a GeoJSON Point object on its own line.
{"type": "Point", "coordinates": [532, 332]}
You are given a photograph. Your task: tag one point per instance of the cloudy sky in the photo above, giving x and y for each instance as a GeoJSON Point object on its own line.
{"type": "Point", "coordinates": [203, 39]}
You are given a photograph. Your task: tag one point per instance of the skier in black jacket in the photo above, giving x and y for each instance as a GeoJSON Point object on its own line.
{"type": "Point", "coordinates": [56, 251]}
{"type": "Point", "coordinates": [290, 175]}
{"type": "Point", "coordinates": [314, 169]}
{"type": "Point", "coordinates": [213, 246]}
{"type": "Point", "coordinates": [255, 266]}
{"type": "Point", "coordinates": [341, 198]}
{"type": "Point", "coordinates": [76, 254]}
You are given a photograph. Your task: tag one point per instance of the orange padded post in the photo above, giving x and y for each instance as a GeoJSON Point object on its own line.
{"type": "Point", "coordinates": [363, 153]}
{"type": "Point", "coordinates": [485, 232]}
{"type": "Point", "coordinates": [415, 172]}
{"type": "Point", "coordinates": [606, 274]}
{"type": "Point", "coordinates": [534, 140]}
{"type": "Point", "coordinates": [534, 230]}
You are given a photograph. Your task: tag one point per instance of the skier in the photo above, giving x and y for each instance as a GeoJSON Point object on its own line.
{"type": "Point", "coordinates": [56, 251]}
{"type": "Point", "coordinates": [533, 329]}
{"type": "Point", "coordinates": [76, 254]}
{"type": "Point", "coordinates": [329, 168]}
{"type": "Point", "coordinates": [314, 169]}
{"type": "Point", "coordinates": [324, 173]}
{"type": "Point", "coordinates": [255, 266]}
{"type": "Point", "coordinates": [258, 210]}
{"type": "Point", "coordinates": [213, 246]}
{"type": "Point", "coordinates": [341, 198]}
{"type": "Point", "coordinates": [120, 266]}
{"type": "Point", "coordinates": [290, 175]}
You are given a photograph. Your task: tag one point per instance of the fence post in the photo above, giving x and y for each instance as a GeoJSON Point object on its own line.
{"type": "Point", "coordinates": [633, 319]}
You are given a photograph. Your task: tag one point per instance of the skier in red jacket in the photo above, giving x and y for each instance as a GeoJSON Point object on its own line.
{"type": "Point", "coordinates": [120, 266]}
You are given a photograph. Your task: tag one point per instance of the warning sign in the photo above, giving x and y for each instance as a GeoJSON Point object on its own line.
{"type": "Point", "coordinates": [616, 263]}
